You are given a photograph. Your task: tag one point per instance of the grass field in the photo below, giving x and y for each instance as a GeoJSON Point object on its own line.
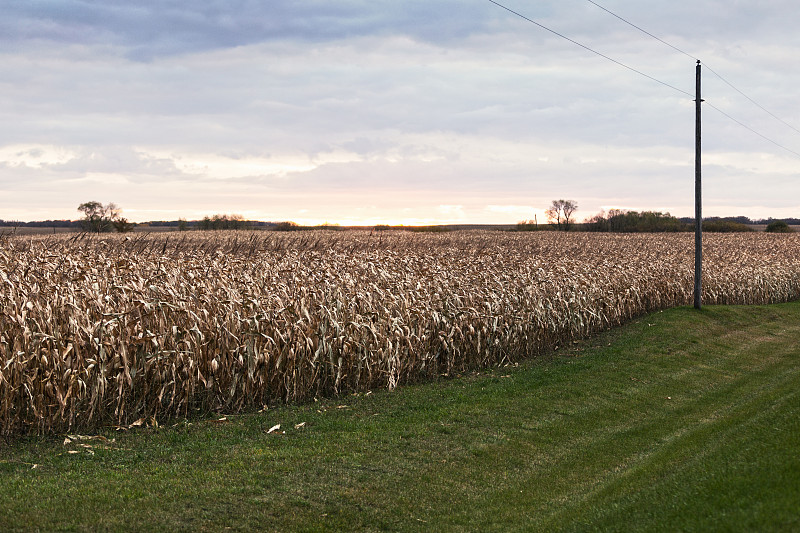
{"type": "Point", "coordinates": [680, 421]}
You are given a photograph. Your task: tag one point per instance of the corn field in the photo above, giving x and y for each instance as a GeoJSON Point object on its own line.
{"type": "Point", "coordinates": [109, 330]}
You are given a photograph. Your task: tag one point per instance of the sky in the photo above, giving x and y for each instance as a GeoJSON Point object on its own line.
{"type": "Point", "coordinates": [402, 112]}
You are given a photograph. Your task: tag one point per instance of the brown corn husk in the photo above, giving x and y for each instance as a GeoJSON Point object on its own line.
{"type": "Point", "coordinates": [106, 330]}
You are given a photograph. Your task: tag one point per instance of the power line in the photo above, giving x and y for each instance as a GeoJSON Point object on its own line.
{"type": "Point", "coordinates": [751, 100]}
{"type": "Point", "coordinates": [643, 30]}
{"type": "Point", "coordinates": [705, 65]}
{"type": "Point", "coordinates": [742, 124]}
{"type": "Point", "coordinates": [592, 50]}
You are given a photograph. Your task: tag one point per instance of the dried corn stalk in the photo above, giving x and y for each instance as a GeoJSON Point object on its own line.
{"type": "Point", "coordinates": [100, 331]}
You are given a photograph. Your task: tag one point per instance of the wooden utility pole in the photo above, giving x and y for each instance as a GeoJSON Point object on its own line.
{"type": "Point", "coordinates": [698, 202]}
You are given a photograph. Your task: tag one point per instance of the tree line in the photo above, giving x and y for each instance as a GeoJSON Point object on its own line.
{"type": "Point", "coordinates": [104, 218]}
{"type": "Point", "coordinates": [560, 217]}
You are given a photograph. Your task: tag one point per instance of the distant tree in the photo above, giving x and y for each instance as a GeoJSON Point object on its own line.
{"type": "Point", "coordinates": [286, 226]}
{"type": "Point", "coordinates": [92, 216]}
{"type": "Point", "coordinates": [182, 224]}
{"type": "Point", "coordinates": [618, 220]}
{"type": "Point", "coordinates": [222, 222]}
{"type": "Point", "coordinates": [235, 222]}
{"type": "Point", "coordinates": [122, 225]}
{"type": "Point", "coordinates": [560, 212]}
{"type": "Point", "coordinates": [96, 216]}
{"type": "Point", "coordinates": [724, 225]}
{"type": "Point", "coordinates": [779, 226]}
{"type": "Point", "coordinates": [598, 222]}
{"type": "Point", "coordinates": [789, 221]}
{"type": "Point", "coordinates": [739, 219]}
{"type": "Point", "coordinates": [99, 218]}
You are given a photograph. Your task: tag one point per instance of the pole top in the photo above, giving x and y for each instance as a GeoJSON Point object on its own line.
{"type": "Point", "coordinates": [698, 61]}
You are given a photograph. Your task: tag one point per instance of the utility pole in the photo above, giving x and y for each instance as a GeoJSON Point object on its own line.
{"type": "Point", "coordinates": [698, 201]}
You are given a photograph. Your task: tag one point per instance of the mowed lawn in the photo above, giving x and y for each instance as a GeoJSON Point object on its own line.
{"type": "Point", "coordinates": [680, 421]}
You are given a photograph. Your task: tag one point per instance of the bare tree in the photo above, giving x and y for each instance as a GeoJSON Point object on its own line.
{"type": "Point", "coordinates": [560, 212]}
{"type": "Point", "coordinates": [99, 218]}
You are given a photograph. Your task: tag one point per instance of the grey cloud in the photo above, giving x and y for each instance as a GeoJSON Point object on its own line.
{"type": "Point", "coordinates": [425, 96]}
{"type": "Point", "coordinates": [119, 160]}
{"type": "Point", "coordinates": [152, 28]}
{"type": "Point", "coordinates": [147, 29]}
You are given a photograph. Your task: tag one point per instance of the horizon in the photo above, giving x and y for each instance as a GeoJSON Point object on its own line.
{"type": "Point", "coordinates": [542, 222]}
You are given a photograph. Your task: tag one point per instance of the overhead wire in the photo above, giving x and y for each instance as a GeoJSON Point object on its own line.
{"type": "Point", "coordinates": [621, 64]}
{"type": "Point", "coordinates": [742, 124]}
{"type": "Point", "coordinates": [767, 111]}
{"type": "Point", "coordinates": [626, 21]}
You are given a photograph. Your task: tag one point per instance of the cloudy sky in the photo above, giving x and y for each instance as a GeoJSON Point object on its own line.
{"type": "Point", "coordinates": [386, 111]}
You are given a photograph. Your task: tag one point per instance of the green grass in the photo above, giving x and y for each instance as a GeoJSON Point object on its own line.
{"type": "Point", "coordinates": [681, 421]}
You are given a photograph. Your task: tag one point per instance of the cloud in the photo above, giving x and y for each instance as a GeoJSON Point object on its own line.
{"type": "Point", "coordinates": [338, 110]}
{"type": "Point", "coordinates": [149, 29]}
{"type": "Point", "coordinates": [35, 156]}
